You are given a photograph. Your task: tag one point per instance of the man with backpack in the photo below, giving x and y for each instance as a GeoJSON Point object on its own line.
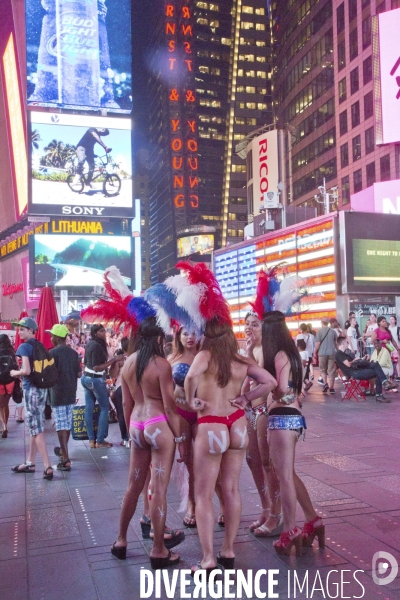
{"type": "Point", "coordinates": [63, 394]}
{"type": "Point", "coordinates": [38, 373]}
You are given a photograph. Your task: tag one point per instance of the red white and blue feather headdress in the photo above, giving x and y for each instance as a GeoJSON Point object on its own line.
{"type": "Point", "coordinates": [273, 294]}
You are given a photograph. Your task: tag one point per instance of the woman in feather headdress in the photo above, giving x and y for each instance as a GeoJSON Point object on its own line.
{"type": "Point", "coordinates": [286, 424]}
{"type": "Point", "coordinates": [150, 408]}
{"type": "Point", "coordinates": [216, 377]}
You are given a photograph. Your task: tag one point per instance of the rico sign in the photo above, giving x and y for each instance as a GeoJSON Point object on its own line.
{"type": "Point", "coordinates": [265, 167]}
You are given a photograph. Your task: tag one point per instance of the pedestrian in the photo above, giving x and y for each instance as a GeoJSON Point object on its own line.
{"type": "Point", "coordinates": [115, 373]}
{"type": "Point", "coordinates": [269, 523]}
{"type": "Point", "coordinates": [360, 370]}
{"type": "Point", "coordinates": [325, 348]}
{"type": "Point", "coordinates": [309, 341]}
{"type": "Point", "coordinates": [35, 400]}
{"type": "Point", "coordinates": [352, 336]}
{"type": "Point", "coordinates": [383, 333]}
{"type": "Point", "coordinates": [96, 362]}
{"type": "Point", "coordinates": [149, 406]}
{"type": "Point", "coordinates": [8, 362]}
{"type": "Point", "coordinates": [63, 394]}
{"type": "Point", "coordinates": [395, 331]}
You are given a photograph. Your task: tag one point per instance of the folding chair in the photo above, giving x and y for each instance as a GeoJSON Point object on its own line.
{"type": "Point", "coordinates": [353, 388]}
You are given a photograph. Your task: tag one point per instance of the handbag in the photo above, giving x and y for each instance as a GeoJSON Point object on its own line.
{"type": "Point", "coordinates": [17, 393]}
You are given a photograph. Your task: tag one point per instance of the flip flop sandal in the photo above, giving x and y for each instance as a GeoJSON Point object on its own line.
{"type": "Point", "coordinates": [176, 538]}
{"type": "Point", "coordinates": [25, 468]}
{"type": "Point", "coordinates": [208, 570]}
{"type": "Point", "coordinates": [190, 518]}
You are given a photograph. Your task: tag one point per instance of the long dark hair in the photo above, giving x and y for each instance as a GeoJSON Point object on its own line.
{"type": "Point", "coordinates": [6, 345]}
{"type": "Point", "coordinates": [149, 343]}
{"type": "Point", "coordinates": [276, 338]}
{"type": "Point", "coordinates": [221, 343]}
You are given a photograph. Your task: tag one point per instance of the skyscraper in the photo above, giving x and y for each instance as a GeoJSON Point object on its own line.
{"type": "Point", "coordinates": [210, 85]}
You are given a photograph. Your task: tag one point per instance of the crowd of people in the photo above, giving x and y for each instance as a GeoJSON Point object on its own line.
{"type": "Point", "coordinates": [202, 397]}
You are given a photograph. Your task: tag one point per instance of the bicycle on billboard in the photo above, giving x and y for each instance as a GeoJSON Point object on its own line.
{"type": "Point", "coordinates": [103, 170]}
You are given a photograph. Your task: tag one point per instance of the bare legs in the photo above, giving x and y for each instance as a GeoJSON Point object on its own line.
{"type": "Point", "coordinates": [189, 432]}
{"type": "Point", "coordinates": [271, 480]}
{"type": "Point", "coordinates": [38, 442]}
{"type": "Point", "coordinates": [4, 410]}
{"type": "Point", "coordinates": [63, 438]}
{"type": "Point", "coordinates": [253, 459]}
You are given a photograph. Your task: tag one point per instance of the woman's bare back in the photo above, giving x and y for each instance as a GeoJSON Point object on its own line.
{"type": "Point", "coordinates": [146, 394]}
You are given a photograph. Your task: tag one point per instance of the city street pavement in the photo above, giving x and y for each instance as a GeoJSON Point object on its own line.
{"type": "Point", "coordinates": [55, 536]}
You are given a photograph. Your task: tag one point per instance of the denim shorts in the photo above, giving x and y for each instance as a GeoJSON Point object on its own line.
{"type": "Point", "coordinates": [35, 402]}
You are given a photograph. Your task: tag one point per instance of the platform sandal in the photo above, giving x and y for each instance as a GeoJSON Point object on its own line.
{"type": "Point", "coordinates": [288, 539]}
{"type": "Point", "coordinates": [312, 529]}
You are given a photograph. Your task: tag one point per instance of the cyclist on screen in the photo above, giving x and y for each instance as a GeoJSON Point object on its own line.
{"type": "Point", "coordinates": [85, 150]}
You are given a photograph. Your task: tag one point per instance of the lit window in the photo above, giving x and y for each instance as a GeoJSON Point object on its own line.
{"type": "Point", "coordinates": [248, 9]}
{"type": "Point", "coordinates": [247, 25]}
{"type": "Point", "coordinates": [204, 69]}
{"type": "Point", "coordinates": [202, 4]}
{"type": "Point", "coordinates": [204, 118]}
{"type": "Point", "coordinates": [251, 105]}
{"type": "Point", "coordinates": [261, 74]}
{"type": "Point", "coordinates": [261, 106]}
{"type": "Point", "coordinates": [247, 57]}
{"type": "Point", "coordinates": [238, 136]}
{"type": "Point", "coordinates": [250, 89]}
{"type": "Point", "coordinates": [202, 21]}
{"type": "Point", "coordinates": [215, 71]}
{"type": "Point", "coordinates": [200, 91]}
{"type": "Point", "coordinates": [261, 59]}
{"type": "Point", "coordinates": [214, 7]}
{"type": "Point", "coordinates": [260, 43]}
{"type": "Point", "coordinates": [226, 41]}
{"type": "Point", "coordinates": [260, 26]}
{"type": "Point", "coordinates": [260, 11]}
{"type": "Point", "coordinates": [261, 90]}
{"type": "Point", "coordinates": [214, 23]}
{"type": "Point", "coordinates": [202, 53]}
{"type": "Point", "coordinates": [238, 169]}
{"type": "Point", "coordinates": [251, 121]}
{"type": "Point", "coordinates": [240, 121]}
{"type": "Point", "coordinates": [250, 73]}
{"type": "Point", "coordinates": [240, 72]}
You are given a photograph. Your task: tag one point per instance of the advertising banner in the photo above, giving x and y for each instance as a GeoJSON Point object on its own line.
{"type": "Point", "coordinates": [265, 167]}
{"type": "Point", "coordinates": [193, 244]}
{"type": "Point", "coordinates": [79, 54]}
{"type": "Point", "coordinates": [389, 70]}
{"type": "Point", "coordinates": [80, 165]}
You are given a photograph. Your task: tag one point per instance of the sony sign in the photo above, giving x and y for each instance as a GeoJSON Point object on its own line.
{"type": "Point", "coordinates": [265, 167]}
{"type": "Point", "coordinates": [83, 210]}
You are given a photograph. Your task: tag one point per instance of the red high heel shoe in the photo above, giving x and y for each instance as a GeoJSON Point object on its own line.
{"type": "Point", "coordinates": [312, 529]}
{"type": "Point", "coordinates": [288, 539]}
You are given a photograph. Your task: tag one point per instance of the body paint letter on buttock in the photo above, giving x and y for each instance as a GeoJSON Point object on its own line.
{"type": "Point", "coordinates": [135, 438]}
{"type": "Point", "coordinates": [152, 438]}
{"type": "Point", "coordinates": [221, 443]}
{"type": "Point", "coordinates": [242, 435]}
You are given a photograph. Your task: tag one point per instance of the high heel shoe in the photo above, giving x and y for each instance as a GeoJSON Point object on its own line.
{"type": "Point", "coordinates": [288, 539]}
{"type": "Point", "coordinates": [164, 563]}
{"type": "Point", "coordinates": [312, 529]}
{"type": "Point", "coordinates": [118, 551]}
{"type": "Point", "coordinates": [264, 531]}
{"type": "Point", "coordinates": [224, 561]}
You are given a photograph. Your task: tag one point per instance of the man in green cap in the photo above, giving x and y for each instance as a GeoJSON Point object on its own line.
{"type": "Point", "coordinates": [63, 394]}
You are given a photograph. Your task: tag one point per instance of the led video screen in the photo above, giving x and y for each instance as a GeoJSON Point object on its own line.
{"type": "Point", "coordinates": [79, 54]}
{"type": "Point", "coordinates": [371, 254]}
{"type": "Point", "coordinates": [80, 165]}
{"type": "Point", "coordinates": [79, 260]}
{"type": "Point", "coordinates": [193, 244]}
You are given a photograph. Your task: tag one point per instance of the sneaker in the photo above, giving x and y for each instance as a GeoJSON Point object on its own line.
{"type": "Point", "coordinates": [382, 398]}
{"type": "Point", "coordinates": [103, 444]}
{"type": "Point", "coordinates": [325, 388]}
{"type": "Point", "coordinates": [320, 381]}
{"type": "Point", "coordinates": [332, 391]}
{"type": "Point", "coordinates": [389, 386]}
{"type": "Point", "coordinates": [308, 385]}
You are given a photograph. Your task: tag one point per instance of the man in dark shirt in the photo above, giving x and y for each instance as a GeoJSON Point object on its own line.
{"type": "Point", "coordinates": [345, 362]}
{"type": "Point", "coordinates": [94, 385]}
{"type": "Point", "coordinates": [85, 150]}
{"type": "Point", "coordinates": [63, 394]}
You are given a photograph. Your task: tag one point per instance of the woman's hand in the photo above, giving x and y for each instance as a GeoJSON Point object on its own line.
{"type": "Point", "coordinates": [198, 404]}
{"type": "Point", "coordinates": [250, 342]}
{"type": "Point", "coordinates": [239, 401]}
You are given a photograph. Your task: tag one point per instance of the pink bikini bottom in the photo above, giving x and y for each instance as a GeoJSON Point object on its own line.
{"type": "Point", "coordinates": [143, 424]}
{"type": "Point", "coordinates": [190, 417]}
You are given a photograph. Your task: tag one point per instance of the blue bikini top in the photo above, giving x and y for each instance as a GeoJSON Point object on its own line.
{"type": "Point", "coordinates": [179, 372]}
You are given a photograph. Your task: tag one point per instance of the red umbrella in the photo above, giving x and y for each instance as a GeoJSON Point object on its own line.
{"type": "Point", "coordinates": [46, 317]}
{"type": "Point", "coordinates": [17, 340]}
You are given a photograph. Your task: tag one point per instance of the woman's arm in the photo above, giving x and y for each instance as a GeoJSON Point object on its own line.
{"type": "Point", "coordinates": [266, 383]}
{"type": "Point", "coordinates": [167, 395]}
{"type": "Point", "coordinates": [373, 337]}
{"type": "Point", "coordinates": [282, 369]}
{"type": "Point", "coordinates": [198, 367]}
{"type": "Point", "coordinates": [127, 401]}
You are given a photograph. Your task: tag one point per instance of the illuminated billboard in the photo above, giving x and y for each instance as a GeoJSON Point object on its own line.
{"type": "Point", "coordinates": [79, 54]}
{"type": "Point", "coordinates": [79, 260]}
{"type": "Point", "coordinates": [371, 257]}
{"type": "Point", "coordinates": [80, 165]}
{"type": "Point", "coordinates": [15, 126]}
{"type": "Point", "coordinates": [264, 167]}
{"type": "Point", "coordinates": [195, 244]}
{"type": "Point", "coordinates": [386, 27]}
